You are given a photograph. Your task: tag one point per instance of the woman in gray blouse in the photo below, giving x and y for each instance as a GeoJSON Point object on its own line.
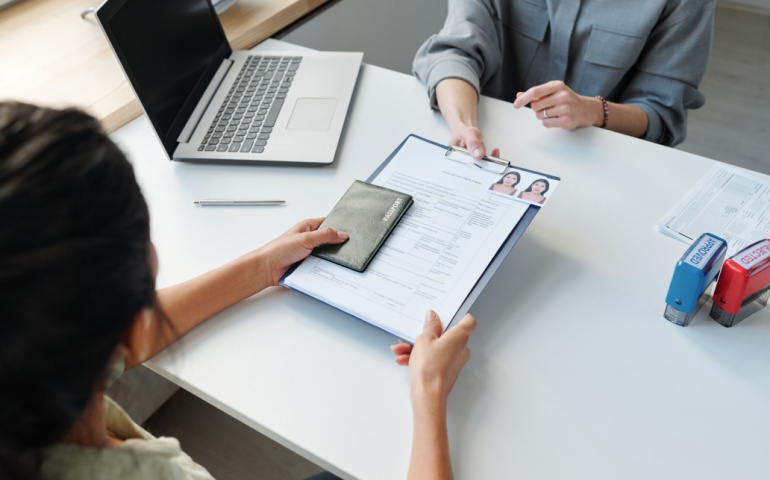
{"type": "Point", "coordinates": [632, 67]}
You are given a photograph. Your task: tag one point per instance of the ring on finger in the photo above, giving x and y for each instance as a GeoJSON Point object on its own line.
{"type": "Point", "coordinates": [545, 113]}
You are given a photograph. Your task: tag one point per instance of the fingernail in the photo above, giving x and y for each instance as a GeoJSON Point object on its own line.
{"type": "Point", "coordinates": [430, 316]}
{"type": "Point", "coordinates": [478, 152]}
{"type": "Point", "coordinates": [342, 235]}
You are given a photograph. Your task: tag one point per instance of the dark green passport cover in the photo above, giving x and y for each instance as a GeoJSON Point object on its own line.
{"type": "Point", "coordinates": [368, 213]}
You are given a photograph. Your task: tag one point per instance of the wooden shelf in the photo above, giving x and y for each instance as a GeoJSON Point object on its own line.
{"type": "Point", "coordinates": [49, 55]}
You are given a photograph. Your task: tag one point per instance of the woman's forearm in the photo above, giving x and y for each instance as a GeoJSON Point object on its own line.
{"type": "Point", "coordinates": [188, 304]}
{"type": "Point", "coordinates": [457, 101]}
{"type": "Point", "coordinates": [430, 443]}
{"type": "Point", "coordinates": [622, 118]}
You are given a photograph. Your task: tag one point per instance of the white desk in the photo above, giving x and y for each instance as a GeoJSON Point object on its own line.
{"type": "Point", "coordinates": [575, 374]}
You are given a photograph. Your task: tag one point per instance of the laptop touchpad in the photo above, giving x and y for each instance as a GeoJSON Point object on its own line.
{"type": "Point", "coordinates": [312, 114]}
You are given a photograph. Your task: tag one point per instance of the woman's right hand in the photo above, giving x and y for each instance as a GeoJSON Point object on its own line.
{"type": "Point", "coordinates": [469, 138]}
{"type": "Point", "coordinates": [434, 362]}
{"type": "Point", "coordinates": [436, 359]}
{"type": "Point", "coordinates": [457, 101]}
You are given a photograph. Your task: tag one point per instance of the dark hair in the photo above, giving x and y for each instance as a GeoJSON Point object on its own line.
{"type": "Point", "coordinates": [547, 185]}
{"type": "Point", "coordinates": [518, 178]}
{"type": "Point", "coordinates": [74, 270]}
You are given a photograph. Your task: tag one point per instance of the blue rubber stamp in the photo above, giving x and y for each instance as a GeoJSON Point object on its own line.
{"type": "Point", "coordinates": [694, 272]}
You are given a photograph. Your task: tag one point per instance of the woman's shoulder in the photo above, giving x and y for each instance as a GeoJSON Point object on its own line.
{"type": "Point", "coordinates": [156, 459]}
{"type": "Point", "coordinates": [140, 456]}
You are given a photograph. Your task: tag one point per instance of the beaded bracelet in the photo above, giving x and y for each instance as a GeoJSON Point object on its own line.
{"type": "Point", "coordinates": [606, 110]}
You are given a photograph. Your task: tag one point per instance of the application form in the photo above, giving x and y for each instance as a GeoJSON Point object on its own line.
{"type": "Point", "coordinates": [730, 203]}
{"type": "Point", "coordinates": [438, 251]}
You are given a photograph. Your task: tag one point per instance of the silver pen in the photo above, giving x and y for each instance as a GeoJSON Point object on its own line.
{"type": "Point", "coordinates": [237, 202]}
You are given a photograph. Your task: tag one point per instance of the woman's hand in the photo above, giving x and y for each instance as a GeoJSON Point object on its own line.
{"type": "Point", "coordinates": [435, 360]}
{"type": "Point", "coordinates": [556, 105]}
{"type": "Point", "coordinates": [457, 101]}
{"type": "Point", "coordinates": [434, 363]}
{"type": "Point", "coordinates": [469, 138]}
{"type": "Point", "coordinates": [294, 245]}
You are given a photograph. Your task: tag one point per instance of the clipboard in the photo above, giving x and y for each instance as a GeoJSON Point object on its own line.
{"type": "Point", "coordinates": [497, 259]}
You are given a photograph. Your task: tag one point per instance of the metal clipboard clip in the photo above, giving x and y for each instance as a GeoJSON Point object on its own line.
{"type": "Point", "coordinates": [500, 165]}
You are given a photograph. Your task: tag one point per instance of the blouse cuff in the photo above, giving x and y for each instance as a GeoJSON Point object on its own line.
{"type": "Point", "coordinates": [449, 68]}
{"type": "Point", "coordinates": [656, 131]}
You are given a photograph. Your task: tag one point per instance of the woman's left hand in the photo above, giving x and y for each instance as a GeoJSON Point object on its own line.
{"type": "Point", "coordinates": [556, 105]}
{"type": "Point", "coordinates": [294, 245]}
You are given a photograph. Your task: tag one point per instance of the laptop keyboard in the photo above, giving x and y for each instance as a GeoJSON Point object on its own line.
{"type": "Point", "coordinates": [246, 118]}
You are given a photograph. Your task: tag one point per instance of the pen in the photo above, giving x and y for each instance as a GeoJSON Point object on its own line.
{"type": "Point", "coordinates": [241, 202]}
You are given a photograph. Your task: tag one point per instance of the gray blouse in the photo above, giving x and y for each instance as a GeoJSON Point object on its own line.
{"type": "Point", "coordinates": [650, 53]}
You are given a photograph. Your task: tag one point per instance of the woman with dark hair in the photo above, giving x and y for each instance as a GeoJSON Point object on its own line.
{"type": "Point", "coordinates": [535, 193]}
{"type": "Point", "coordinates": [507, 184]}
{"type": "Point", "coordinates": [78, 305]}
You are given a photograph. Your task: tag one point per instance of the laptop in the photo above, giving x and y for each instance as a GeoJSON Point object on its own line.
{"type": "Point", "coordinates": [210, 104]}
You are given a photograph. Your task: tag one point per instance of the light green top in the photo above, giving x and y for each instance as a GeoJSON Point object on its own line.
{"type": "Point", "coordinates": [140, 457]}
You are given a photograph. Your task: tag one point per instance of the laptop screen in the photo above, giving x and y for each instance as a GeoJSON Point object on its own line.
{"type": "Point", "coordinates": [170, 50]}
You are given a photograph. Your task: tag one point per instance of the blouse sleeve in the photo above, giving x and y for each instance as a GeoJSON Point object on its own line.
{"type": "Point", "coordinates": [467, 48]}
{"type": "Point", "coordinates": [667, 75]}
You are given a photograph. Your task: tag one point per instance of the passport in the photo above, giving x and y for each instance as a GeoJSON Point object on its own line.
{"type": "Point", "coordinates": [368, 213]}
